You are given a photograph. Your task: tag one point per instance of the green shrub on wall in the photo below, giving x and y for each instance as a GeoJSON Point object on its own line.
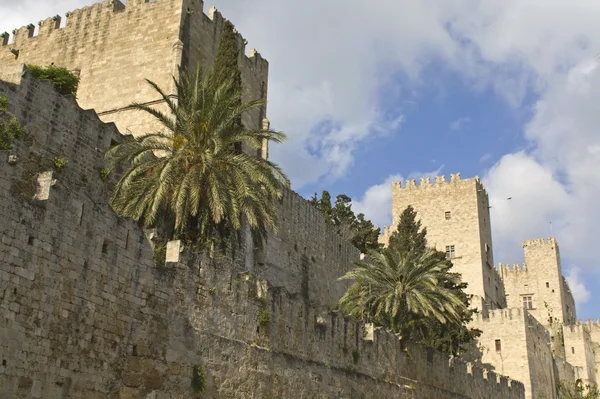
{"type": "Point", "coordinates": [199, 378]}
{"type": "Point", "coordinates": [11, 129]}
{"type": "Point", "coordinates": [3, 105]}
{"type": "Point", "coordinates": [264, 317]}
{"type": "Point", "coordinates": [64, 81]}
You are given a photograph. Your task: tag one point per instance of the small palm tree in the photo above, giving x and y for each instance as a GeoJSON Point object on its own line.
{"type": "Point", "coordinates": [189, 180]}
{"type": "Point", "coordinates": [394, 289]}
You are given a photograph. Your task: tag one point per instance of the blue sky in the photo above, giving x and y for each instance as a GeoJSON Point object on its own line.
{"type": "Point", "coordinates": [372, 92]}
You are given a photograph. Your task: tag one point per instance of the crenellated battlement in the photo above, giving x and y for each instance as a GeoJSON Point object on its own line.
{"type": "Point", "coordinates": [505, 269]}
{"type": "Point", "coordinates": [439, 181]}
{"type": "Point", "coordinates": [538, 242]}
{"type": "Point", "coordinates": [78, 20]}
{"type": "Point", "coordinates": [591, 324]}
{"type": "Point", "coordinates": [500, 315]}
{"type": "Point", "coordinates": [578, 328]}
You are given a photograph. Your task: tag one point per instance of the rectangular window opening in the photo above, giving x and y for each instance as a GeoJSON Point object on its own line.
{"type": "Point", "coordinates": [498, 345]}
{"type": "Point", "coordinates": [528, 302]}
{"type": "Point", "coordinates": [448, 215]}
{"type": "Point", "coordinates": [450, 252]}
{"type": "Point", "coordinates": [547, 284]}
{"type": "Point", "coordinates": [573, 350]}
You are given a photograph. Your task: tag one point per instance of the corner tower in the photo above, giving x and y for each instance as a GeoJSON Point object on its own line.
{"type": "Point", "coordinates": [457, 217]}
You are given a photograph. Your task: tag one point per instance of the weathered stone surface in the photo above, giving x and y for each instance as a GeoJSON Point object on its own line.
{"type": "Point", "coordinates": [96, 318]}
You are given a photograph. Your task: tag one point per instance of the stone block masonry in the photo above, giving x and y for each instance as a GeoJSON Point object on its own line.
{"type": "Point", "coordinates": [115, 47]}
{"type": "Point", "coordinates": [84, 312]}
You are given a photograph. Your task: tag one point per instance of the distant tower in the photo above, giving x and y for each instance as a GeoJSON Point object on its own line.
{"type": "Point", "coordinates": [457, 217]}
{"type": "Point", "coordinates": [539, 284]}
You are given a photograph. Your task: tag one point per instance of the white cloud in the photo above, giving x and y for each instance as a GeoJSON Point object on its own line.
{"type": "Point", "coordinates": [580, 293]}
{"type": "Point", "coordinates": [459, 123]}
{"type": "Point", "coordinates": [557, 180]}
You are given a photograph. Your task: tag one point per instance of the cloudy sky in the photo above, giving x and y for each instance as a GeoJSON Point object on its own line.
{"type": "Point", "coordinates": [372, 92]}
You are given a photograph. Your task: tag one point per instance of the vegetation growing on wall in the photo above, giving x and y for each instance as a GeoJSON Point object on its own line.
{"type": "Point", "coordinates": [59, 163]}
{"type": "Point", "coordinates": [226, 68]}
{"type": "Point", "coordinates": [199, 378]}
{"type": "Point", "coordinates": [10, 127]}
{"type": "Point", "coordinates": [264, 317]}
{"type": "Point", "coordinates": [64, 81]}
{"type": "Point", "coordinates": [189, 181]}
{"type": "Point", "coordinates": [354, 228]}
{"type": "Point", "coordinates": [410, 289]}
{"type": "Point", "coordinates": [577, 390]}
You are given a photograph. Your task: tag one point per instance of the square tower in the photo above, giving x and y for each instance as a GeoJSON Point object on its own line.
{"type": "Point", "coordinates": [457, 217]}
{"type": "Point", "coordinates": [539, 284]}
{"type": "Point", "coordinates": [115, 46]}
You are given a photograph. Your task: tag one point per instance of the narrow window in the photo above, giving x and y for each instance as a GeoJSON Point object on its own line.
{"type": "Point", "coordinates": [487, 248]}
{"type": "Point", "coordinates": [498, 345]}
{"type": "Point", "coordinates": [450, 252]}
{"type": "Point", "coordinates": [573, 350]}
{"type": "Point", "coordinates": [527, 302]}
{"type": "Point", "coordinates": [448, 215]}
{"type": "Point", "coordinates": [547, 284]}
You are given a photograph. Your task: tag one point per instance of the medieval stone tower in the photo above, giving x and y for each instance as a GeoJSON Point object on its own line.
{"type": "Point", "coordinates": [538, 284]}
{"type": "Point", "coordinates": [115, 47]}
{"type": "Point", "coordinates": [456, 214]}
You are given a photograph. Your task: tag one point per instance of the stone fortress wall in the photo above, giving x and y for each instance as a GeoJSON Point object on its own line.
{"type": "Point", "coordinates": [86, 314]}
{"type": "Point", "coordinates": [460, 220]}
{"type": "Point", "coordinates": [115, 47]}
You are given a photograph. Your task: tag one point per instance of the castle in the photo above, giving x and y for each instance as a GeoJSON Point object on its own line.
{"type": "Point", "coordinates": [526, 312]}
{"type": "Point", "coordinates": [86, 313]}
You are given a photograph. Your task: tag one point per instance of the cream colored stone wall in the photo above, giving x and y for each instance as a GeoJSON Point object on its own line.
{"type": "Point", "coordinates": [524, 353]}
{"type": "Point", "coordinates": [541, 279]}
{"type": "Point", "coordinates": [579, 352]}
{"type": "Point", "coordinates": [467, 228]}
{"type": "Point", "coordinates": [115, 48]}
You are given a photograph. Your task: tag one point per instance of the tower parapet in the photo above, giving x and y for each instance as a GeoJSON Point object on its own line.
{"type": "Point", "coordinates": [437, 182]}
{"type": "Point", "coordinates": [537, 242]}
{"type": "Point", "coordinates": [505, 269]}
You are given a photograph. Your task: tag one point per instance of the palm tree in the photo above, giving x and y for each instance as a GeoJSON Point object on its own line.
{"type": "Point", "coordinates": [189, 180]}
{"type": "Point", "coordinates": [396, 290]}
